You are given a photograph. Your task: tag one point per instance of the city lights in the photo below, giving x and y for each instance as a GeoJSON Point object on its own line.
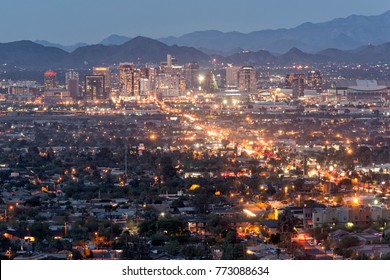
{"type": "Point", "coordinates": [148, 151]}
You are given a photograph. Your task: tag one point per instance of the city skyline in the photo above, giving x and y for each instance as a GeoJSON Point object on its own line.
{"type": "Point", "coordinates": [269, 145]}
{"type": "Point", "coordinates": [91, 22]}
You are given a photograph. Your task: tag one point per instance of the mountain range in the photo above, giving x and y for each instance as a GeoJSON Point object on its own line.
{"type": "Point", "coordinates": [113, 39]}
{"type": "Point", "coordinates": [69, 48]}
{"type": "Point", "coordinates": [359, 39]}
{"type": "Point", "coordinates": [145, 50]}
{"type": "Point", "coordinates": [341, 33]}
{"type": "Point", "coordinates": [140, 49]}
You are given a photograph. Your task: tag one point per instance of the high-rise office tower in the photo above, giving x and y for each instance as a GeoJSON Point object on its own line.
{"type": "Point", "coordinates": [168, 85]}
{"type": "Point", "coordinates": [136, 83]}
{"type": "Point", "coordinates": [144, 73]}
{"type": "Point", "coordinates": [191, 75]}
{"type": "Point", "coordinates": [207, 82]}
{"type": "Point", "coordinates": [126, 79]}
{"type": "Point", "coordinates": [232, 76]}
{"type": "Point", "coordinates": [314, 80]}
{"type": "Point", "coordinates": [145, 87]}
{"type": "Point", "coordinates": [50, 79]}
{"type": "Point", "coordinates": [297, 83]}
{"type": "Point", "coordinates": [152, 76]}
{"type": "Point", "coordinates": [171, 61]}
{"type": "Point", "coordinates": [247, 79]}
{"type": "Point", "coordinates": [105, 71]}
{"type": "Point", "coordinates": [95, 88]}
{"type": "Point", "coordinates": [129, 79]}
{"type": "Point", "coordinates": [72, 83]}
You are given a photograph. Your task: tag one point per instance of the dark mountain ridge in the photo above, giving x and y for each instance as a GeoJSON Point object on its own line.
{"type": "Point", "coordinates": [144, 50]}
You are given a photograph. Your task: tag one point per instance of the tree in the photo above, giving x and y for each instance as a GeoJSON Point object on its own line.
{"type": "Point", "coordinates": [287, 222]}
{"type": "Point", "coordinates": [299, 183]}
{"type": "Point", "coordinates": [148, 227]}
{"type": "Point", "coordinates": [104, 156]}
{"type": "Point", "coordinates": [217, 225]}
{"type": "Point", "coordinates": [231, 237]}
{"type": "Point", "coordinates": [343, 247]}
{"type": "Point", "coordinates": [361, 257]}
{"type": "Point", "coordinates": [39, 230]}
{"type": "Point", "coordinates": [167, 169]}
{"type": "Point", "coordinates": [348, 241]}
{"type": "Point", "coordinates": [4, 243]}
{"type": "Point", "coordinates": [33, 202]}
{"type": "Point", "coordinates": [195, 251]}
{"type": "Point", "coordinates": [233, 252]}
{"type": "Point", "coordinates": [385, 256]}
{"type": "Point", "coordinates": [136, 249]}
{"type": "Point", "coordinates": [76, 255]}
{"type": "Point", "coordinates": [173, 247]}
{"type": "Point", "coordinates": [177, 203]}
{"type": "Point", "coordinates": [275, 238]}
{"type": "Point", "coordinates": [347, 183]}
{"type": "Point", "coordinates": [201, 203]}
{"type": "Point", "coordinates": [4, 175]}
{"type": "Point", "coordinates": [171, 226]}
{"type": "Point", "coordinates": [157, 239]}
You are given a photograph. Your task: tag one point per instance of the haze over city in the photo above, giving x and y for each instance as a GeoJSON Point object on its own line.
{"type": "Point", "coordinates": [267, 145]}
{"type": "Point", "coordinates": [90, 21]}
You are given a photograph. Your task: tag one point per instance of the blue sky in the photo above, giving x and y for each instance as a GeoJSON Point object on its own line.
{"type": "Point", "coordinates": [90, 21]}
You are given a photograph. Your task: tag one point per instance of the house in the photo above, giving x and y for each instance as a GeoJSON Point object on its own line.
{"type": "Point", "coordinates": [370, 236]}
{"type": "Point", "coordinates": [360, 215]}
{"type": "Point", "coordinates": [101, 254]}
{"type": "Point", "coordinates": [44, 256]}
{"type": "Point", "coordinates": [372, 250]}
{"type": "Point", "coordinates": [197, 226]}
{"type": "Point", "coordinates": [12, 234]}
{"type": "Point", "coordinates": [338, 234]}
{"type": "Point", "coordinates": [271, 226]}
{"type": "Point", "coordinates": [324, 216]}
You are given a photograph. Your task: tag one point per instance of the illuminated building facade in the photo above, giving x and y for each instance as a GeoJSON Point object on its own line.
{"type": "Point", "coordinates": [232, 76]}
{"type": "Point", "coordinates": [297, 83]}
{"type": "Point", "coordinates": [126, 79]}
{"type": "Point", "coordinates": [50, 79]}
{"type": "Point", "coordinates": [72, 83]}
{"type": "Point", "coordinates": [191, 75]}
{"type": "Point", "coordinates": [105, 71]}
{"type": "Point", "coordinates": [358, 90]}
{"type": "Point", "coordinates": [314, 80]}
{"type": "Point", "coordinates": [247, 79]}
{"type": "Point", "coordinates": [168, 85]}
{"type": "Point", "coordinates": [94, 88]}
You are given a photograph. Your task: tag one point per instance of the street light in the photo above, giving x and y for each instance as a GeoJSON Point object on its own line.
{"type": "Point", "coordinates": [162, 214]}
{"type": "Point", "coordinates": [97, 240]}
{"type": "Point", "coordinates": [324, 249]}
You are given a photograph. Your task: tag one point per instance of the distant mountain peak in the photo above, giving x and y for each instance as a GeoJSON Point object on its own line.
{"type": "Point", "coordinates": [115, 39]}
{"type": "Point", "coordinates": [144, 42]}
{"type": "Point", "coordinates": [294, 50]}
{"type": "Point", "coordinates": [69, 48]}
{"type": "Point", "coordinates": [143, 39]}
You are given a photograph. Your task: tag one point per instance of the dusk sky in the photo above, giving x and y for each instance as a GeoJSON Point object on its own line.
{"type": "Point", "coordinates": [90, 21]}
